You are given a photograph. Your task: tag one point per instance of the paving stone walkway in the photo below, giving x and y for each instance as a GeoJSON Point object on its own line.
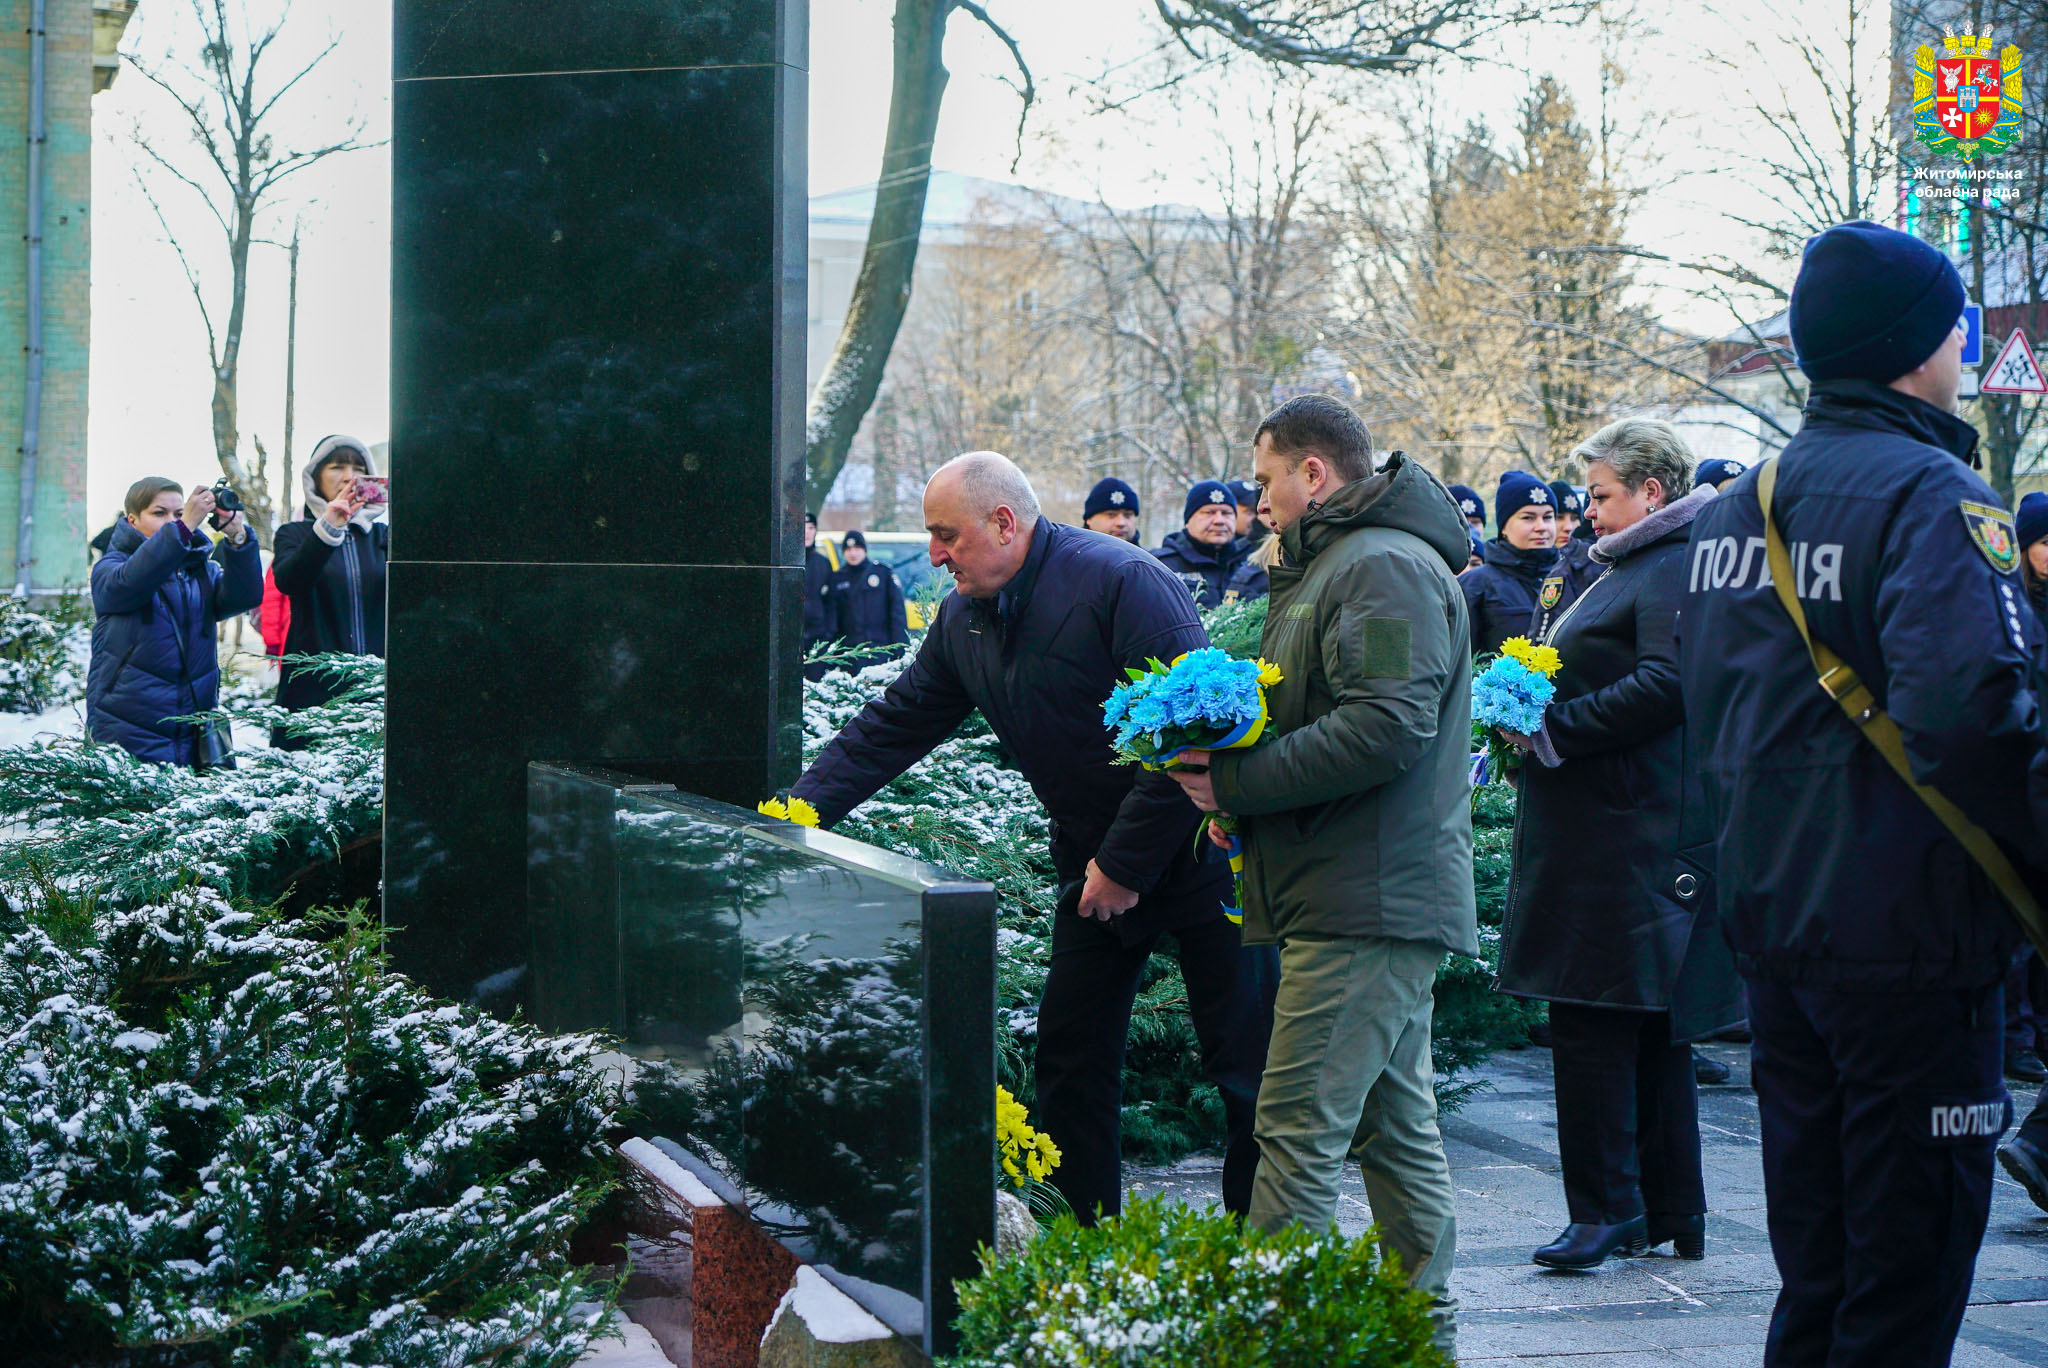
{"type": "Point", "coordinates": [1658, 1311]}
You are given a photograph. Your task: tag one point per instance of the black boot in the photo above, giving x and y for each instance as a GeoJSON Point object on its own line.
{"type": "Point", "coordinates": [1587, 1246]}
{"type": "Point", "coordinates": [1688, 1234]}
{"type": "Point", "coordinates": [1707, 1071]}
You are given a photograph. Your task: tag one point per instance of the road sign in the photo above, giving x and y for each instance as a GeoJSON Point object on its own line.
{"type": "Point", "coordinates": [2015, 371]}
{"type": "Point", "coordinates": [1966, 387]}
{"type": "Point", "coordinates": [1973, 344]}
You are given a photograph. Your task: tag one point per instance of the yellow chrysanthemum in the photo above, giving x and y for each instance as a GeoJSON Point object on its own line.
{"type": "Point", "coordinates": [1269, 674]}
{"type": "Point", "coordinates": [1017, 1141]}
{"type": "Point", "coordinates": [1541, 660]}
{"type": "Point", "coordinates": [795, 810]}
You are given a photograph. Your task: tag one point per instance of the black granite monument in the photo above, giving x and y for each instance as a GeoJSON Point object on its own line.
{"type": "Point", "coordinates": [597, 373]}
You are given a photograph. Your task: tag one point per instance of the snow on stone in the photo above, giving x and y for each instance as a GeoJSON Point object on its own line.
{"type": "Point", "coordinates": [830, 1315]}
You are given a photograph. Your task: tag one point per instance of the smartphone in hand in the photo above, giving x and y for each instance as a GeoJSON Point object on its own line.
{"type": "Point", "coordinates": [375, 489]}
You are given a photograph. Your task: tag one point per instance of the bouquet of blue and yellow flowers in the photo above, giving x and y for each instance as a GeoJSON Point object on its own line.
{"type": "Point", "coordinates": [1204, 700]}
{"type": "Point", "coordinates": [1510, 694]}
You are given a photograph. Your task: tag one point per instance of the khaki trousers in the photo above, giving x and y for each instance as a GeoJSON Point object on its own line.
{"type": "Point", "coordinates": [1348, 1073]}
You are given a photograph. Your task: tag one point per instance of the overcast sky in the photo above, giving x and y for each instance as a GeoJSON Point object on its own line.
{"type": "Point", "coordinates": [150, 385]}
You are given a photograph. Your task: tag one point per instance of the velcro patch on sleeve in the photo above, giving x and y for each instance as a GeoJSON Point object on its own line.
{"type": "Point", "coordinates": [1384, 648]}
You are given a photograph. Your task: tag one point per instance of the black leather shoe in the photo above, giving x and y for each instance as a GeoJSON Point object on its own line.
{"type": "Point", "coordinates": [1708, 1071]}
{"type": "Point", "coordinates": [1587, 1246]}
{"type": "Point", "coordinates": [2025, 1066]}
{"type": "Point", "coordinates": [2023, 1159]}
{"type": "Point", "coordinates": [1687, 1234]}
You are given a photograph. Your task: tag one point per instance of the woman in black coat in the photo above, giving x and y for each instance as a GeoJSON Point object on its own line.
{"type": "Point", "coordinates": [1595, 924]}
{"type": "Point", "coordinates": [1500, 595]}
{"type": "Point", "coordinates": [330, 563]}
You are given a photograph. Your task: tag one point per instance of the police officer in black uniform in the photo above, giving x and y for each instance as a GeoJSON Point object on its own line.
{"type": "Point", "coordinates": [1206, 555]}
{"type": "Point", "coordinates": [1872, 945]}
{"type": "Point", "coordinates": [821, 614]}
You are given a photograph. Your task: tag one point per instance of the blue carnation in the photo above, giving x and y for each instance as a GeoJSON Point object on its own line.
{"type": "Point", "coordinates": [1511, 696]}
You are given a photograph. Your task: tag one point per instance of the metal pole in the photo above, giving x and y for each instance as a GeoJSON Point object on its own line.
{"type": "Point", "coordinates": [32, 400]}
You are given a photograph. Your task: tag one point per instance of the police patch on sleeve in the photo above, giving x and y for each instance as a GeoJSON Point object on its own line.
{"type": "Point", "coordinates": [1553, 590]}
{"type": "Point", "coordinates": [1991, 528]}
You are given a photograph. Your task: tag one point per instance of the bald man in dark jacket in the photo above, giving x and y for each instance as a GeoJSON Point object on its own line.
{"type": "Point", "coordinates": [1046, 620]}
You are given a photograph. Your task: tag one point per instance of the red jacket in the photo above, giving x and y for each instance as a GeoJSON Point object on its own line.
{"type": "Point", "coordinates": [275, 616]}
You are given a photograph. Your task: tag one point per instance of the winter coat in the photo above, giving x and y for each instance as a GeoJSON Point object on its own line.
{"type": "Point", "coordinates": [1591, 914]}
{"type": "Point", "coordinates": [1500, 596]}
{"type": "Point", "coordinates": [1563, 583]}
{"type": "Point", "coordinates": [155, 603]}
{"type": "Point", "coordinates": [274, 616]}
{"type": "Point", "coordinates": [869, 604]}
{"type": "Point", "coordinates": [821, 616]}
{"type": "Point", "coordinates": [1357, 813]}
{"type": "Point", "coordinates": [1039, 660]}
{"type": "Point", "coordinates": [1213, 574]}
{"type": "Point", "coordinates": [1832, 873]}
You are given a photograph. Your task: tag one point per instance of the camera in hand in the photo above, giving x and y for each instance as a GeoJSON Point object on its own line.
{"type": "Point", "coordinates": [226, 502]}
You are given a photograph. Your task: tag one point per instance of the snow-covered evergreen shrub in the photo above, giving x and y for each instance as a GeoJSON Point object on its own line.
{"type": "Point", "coordinates": [226, 1141]}
{"type": "Point", "coordinates": [1171, 1286]}
{"type": "Point", "coordinates": [41, 654]}
{"type": "Point", "coordinates": [95, 817]}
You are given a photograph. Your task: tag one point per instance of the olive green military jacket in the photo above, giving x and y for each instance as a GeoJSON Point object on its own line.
{"type": "Point", "coordinates": [1357, 813]}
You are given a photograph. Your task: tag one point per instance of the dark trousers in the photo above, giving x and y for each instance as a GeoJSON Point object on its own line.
{"type": "Point", "coordinates": [1628, 1120]}
{"type": "Point", "coordinates": [2034, 1130]}
{"type": "Point", "coordinates": [1082, 1024]}
{"type": "Point", "coordinates": [1881, 1114]}
{"type": "Point", "coordinates": [2026, 1003]}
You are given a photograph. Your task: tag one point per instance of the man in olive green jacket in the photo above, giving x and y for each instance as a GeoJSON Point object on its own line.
{"type": "Point", "coordinates": [1357, 825]}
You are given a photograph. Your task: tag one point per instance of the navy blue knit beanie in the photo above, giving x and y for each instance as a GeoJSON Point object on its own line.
{"type": "Point", "coordinates": [1717, 469]}
{"type": "Point", "coordinates": [2032, 520]}
{"type": "Point", "coordinates": [1110, 495]}
{"type": "Point", "coordinates": [1568, 500]}
{"type": "Point", "coordinates": [1519, 490]}
{"type": "Point", "coordinates": [1247, 492]}
{"type": "Point", "coordinates": [1209, 492]}
{"type": "Point", "coordinates": [1468, 501]}
{"type": "Point", "coordinates": [1871, 303]}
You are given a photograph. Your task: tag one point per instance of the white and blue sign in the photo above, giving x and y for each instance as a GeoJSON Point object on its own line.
{"type": "Point", "coordinates": [1973, 345]}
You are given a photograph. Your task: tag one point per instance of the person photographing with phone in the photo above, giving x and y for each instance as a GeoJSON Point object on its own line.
{"type": "Point", "coordinates": [329, 563]}
{"type": "Point", "coordinates": [156, 596]}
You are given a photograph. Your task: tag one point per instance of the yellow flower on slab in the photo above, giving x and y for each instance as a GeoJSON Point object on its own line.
{"type": "Point", "coordinates": [795, 810]}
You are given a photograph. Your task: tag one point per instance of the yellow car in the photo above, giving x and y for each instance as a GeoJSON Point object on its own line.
{"type": "Point", "coordinates": [908, 556]}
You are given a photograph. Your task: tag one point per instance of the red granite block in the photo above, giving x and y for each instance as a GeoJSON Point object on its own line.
{"type": "Point", "coordinates": [737, 1277]}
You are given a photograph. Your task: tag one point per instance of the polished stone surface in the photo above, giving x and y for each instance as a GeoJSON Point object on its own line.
{"type": "Point", "coordinates": [584, 319]}
{"type": "Point", "coordinates": [598, 322]}
{"type": "Point", "coordinates": [1657, 1311]}
{"type": "Point", "coordinates": [813, 1016]}
{"type": "Point", "coordinates": [442, 38]}
{"type": "Point", "coordinates": [669, 671]}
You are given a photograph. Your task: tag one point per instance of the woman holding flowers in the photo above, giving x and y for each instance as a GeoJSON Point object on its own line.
{"type": "Point", "coordinates": [1595, 923]}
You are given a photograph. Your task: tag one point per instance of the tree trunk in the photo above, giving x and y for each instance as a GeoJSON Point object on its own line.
{"type": "Point", "coordinates": [252, 485]}
{"type": "Point", "coordinates": [881, 294]}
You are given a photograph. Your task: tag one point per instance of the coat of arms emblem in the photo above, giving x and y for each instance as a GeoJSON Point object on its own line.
{"type": "Point", "coordinates": [1966, 102]}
